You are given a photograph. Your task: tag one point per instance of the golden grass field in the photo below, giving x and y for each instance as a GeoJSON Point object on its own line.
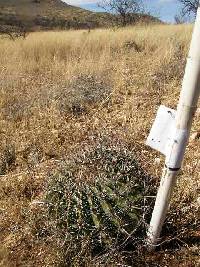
{"type": "Point", "coordinates": [63, 92]}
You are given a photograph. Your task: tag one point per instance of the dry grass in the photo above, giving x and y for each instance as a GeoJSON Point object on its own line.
{"type": "Point", "coordinates": [61, 93]}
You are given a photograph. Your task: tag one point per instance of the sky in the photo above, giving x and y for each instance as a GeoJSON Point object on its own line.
{"type": "Point", "coordinates": [164, 9]}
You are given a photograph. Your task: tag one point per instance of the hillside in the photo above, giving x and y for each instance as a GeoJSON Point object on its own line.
{"type": "Point", "coordinates": [48, 14]}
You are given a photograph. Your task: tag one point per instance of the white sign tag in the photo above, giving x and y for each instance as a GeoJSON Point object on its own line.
{"type": "Point", "coordinates": [162, 129]}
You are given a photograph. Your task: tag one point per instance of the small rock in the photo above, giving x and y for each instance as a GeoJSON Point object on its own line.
{"type": "Point", "coordinates": [198, 201]}
{"type": "Point", "coordinates": [195, 136]}
{"type": "Point", "coordinates": [198, 112]}
{"type": "Point", "coordinates": [157, 161]}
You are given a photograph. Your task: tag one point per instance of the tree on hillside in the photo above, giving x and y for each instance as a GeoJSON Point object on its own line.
{"type": "Point", "coordinates": [179, 19]}
{"type": "Point", "coordinates": [189, 7]}
{"type": "Point", "coordinates": [125, 9]}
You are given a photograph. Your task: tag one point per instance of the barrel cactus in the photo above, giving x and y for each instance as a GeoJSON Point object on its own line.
{"type": "Point", "coordinates": [100, 195]}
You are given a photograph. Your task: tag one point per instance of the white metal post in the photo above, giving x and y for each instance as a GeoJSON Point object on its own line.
{"type": "Point", "coordinates": [177, 145]}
